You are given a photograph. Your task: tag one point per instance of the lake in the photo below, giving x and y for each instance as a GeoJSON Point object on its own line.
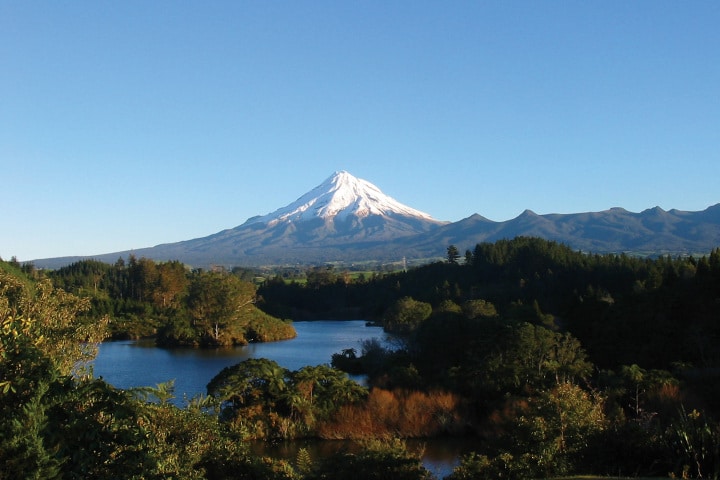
{"type": "Point", "coordinates": [139, 363]}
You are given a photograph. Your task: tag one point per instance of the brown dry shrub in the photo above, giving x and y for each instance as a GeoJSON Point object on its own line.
{"type": "Point", "coordinates": [665, 400]}
{"type": "Point", "coordinates": [396, 413]}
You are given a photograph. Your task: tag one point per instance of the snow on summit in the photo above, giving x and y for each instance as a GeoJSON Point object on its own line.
{"type": "Point", "coordinates": [341, 195]}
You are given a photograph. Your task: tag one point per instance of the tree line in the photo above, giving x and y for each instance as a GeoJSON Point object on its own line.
{"type": "Point", "coordinates": [178, 306]}
{"type": "Point", "coordinates": [624, 309]}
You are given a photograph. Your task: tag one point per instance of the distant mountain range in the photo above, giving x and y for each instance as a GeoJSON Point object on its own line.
{"type": "Point", "coordinates": [346, 219]}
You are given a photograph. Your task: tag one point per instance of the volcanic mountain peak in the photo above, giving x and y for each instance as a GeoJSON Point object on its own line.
{"type": "Point", "coordinates": [339, 196]}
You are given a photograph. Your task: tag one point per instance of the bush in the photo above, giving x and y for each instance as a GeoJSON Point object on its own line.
{"type": "Point", "coordinates": [390, 413]}
{"type": "Point", "coordinates": [379, 460]}
{"type": "Point", "coordinates": [695, 439]}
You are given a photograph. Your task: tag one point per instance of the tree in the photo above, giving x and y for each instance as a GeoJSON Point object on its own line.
{"type": "Point", "coordinates": [256, 381]}
{"type": "Point", "coordinates": [544, 436]}
{"type": "Point", "coordinates": [170, 285]}
{"type": "Point", "coordinates": [406, 314]}
{"type": "Point", "coordinates": [558, 426]}
{"type": "Point", "coordinates": [638, 382]}
{"type": "Point", "coordinates": [325, 389]}
{"type": "Point", "coordinates": [252, 396]}
{"type": "Point", "coordinates": [468, 257]}
{"type": "Point", "coordinates": [143, 277]}
{"type": "Point", "coordinates": [537, 357]}
{"type": "Point", "coordinates": [99, 431]}
{"type": "Point", "coordinates": [318, 277]}
{"type": "Point", "coordinates": [453, 254]}
{"type": "Point", "coordinates": [56, 421]}
{"type": "Point", "coordinates": [216, 301]}
{"type": "Point", "coordinates": [479, 309]}
{"type": "Point", "coordinates": [44, 321]}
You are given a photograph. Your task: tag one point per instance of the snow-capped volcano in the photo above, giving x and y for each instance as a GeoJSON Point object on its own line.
{"type": "Point", "coordinates": [349, 220]}
{"type": "Point", "coordinates": [329, 223]}
{"type": "Point", "coordinates": [340, 196]}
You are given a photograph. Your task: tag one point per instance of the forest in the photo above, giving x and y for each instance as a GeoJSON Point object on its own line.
{"type": "Point", "coordinates": [559, 362]}
{"type": "Point", "coordinates": [176, 305]}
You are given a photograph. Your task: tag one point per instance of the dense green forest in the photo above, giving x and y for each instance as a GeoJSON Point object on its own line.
{"type": "Point", "coordinates": [178, 306]}
{"type": "Point", "coordinates": [560, 362]}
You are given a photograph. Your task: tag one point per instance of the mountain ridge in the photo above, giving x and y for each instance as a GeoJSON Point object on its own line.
{"type": "Point", "coordinates": [348, 219]}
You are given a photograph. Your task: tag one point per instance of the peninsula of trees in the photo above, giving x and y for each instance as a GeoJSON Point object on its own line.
{"type": "Point", "coordinates": [180, 307]}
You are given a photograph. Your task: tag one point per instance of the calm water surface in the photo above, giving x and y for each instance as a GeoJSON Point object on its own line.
{"type": "Point", "coordinates": [139, 363]}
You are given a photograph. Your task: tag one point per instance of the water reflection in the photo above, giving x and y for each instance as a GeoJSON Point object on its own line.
{"type": "Point", "coordinates": [127, 364]}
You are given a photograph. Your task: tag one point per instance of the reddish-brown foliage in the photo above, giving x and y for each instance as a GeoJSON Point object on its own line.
{"type": "Point", "coordinates": [396, 413]}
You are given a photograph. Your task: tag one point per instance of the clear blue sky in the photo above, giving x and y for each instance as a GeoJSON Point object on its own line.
{"type": "Point", "coordinates": [128, 124]}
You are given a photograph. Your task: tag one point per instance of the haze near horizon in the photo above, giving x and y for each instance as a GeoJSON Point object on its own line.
{"type": "Point", "coordinates": [129, 125]}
